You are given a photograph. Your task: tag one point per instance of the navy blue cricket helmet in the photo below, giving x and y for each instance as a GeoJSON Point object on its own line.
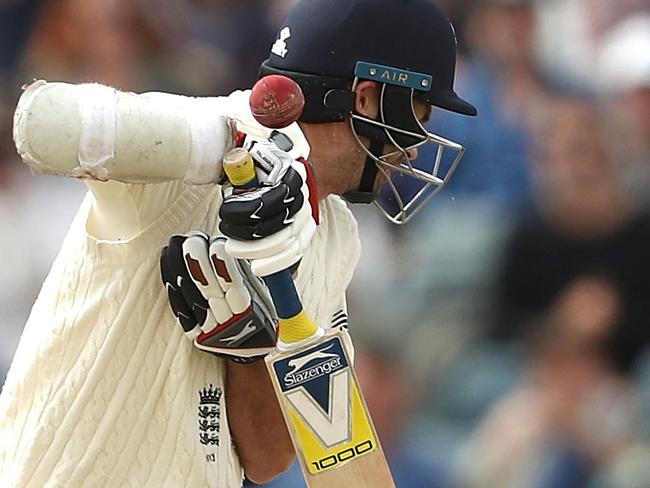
{"type": "Point", "coordinates": [409, 48]}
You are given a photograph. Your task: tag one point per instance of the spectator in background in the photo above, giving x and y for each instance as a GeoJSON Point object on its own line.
{"type": "Point", "coordinates": [459, 236]}
{"type": "Point", "coordinates": [583, 228]}
{"type": "Point", "coordinates": [623, 77]}
{"type": "Point", "coordinates": [501, 74]}
{"type": "Point", "coordinates": [182, 46]}
{"type": "Point", "coordinates": [574, 290]}
{"type": "Point", "coordinates": [392, 396]}
{"type": "Point", "coordinates": [571, 32]}
{"type": "Point", "coordinates": [16, 21]}
{"type": "Point", "coordinates": [212, 46]}
{"type": "Point", "coordinates": [572, 415]}
{"type": "Point", "coordinates": [92, 40]}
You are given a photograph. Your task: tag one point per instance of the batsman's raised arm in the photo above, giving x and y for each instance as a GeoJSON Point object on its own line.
{"type": "Point", "coordinates": [94, 131]}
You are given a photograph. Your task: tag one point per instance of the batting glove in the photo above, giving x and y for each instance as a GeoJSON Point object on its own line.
{"type": "Point", "coordinates": [223, 307]}
{"type": "Point", "coordinates": [271, 225]}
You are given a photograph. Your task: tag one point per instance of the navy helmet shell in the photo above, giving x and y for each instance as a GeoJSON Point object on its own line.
{"type": "Point", "coordinates": [328, 38]}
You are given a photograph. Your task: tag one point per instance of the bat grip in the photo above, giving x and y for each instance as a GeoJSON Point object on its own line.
{"type": "Point", "coordinates": [284, 294]}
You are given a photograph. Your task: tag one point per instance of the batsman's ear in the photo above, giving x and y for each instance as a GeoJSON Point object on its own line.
{"type": "Point", "coordinates": [367, 98]}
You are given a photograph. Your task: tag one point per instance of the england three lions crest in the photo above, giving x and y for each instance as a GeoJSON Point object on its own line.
{"type": "Point", "coordinates": [209, 415]}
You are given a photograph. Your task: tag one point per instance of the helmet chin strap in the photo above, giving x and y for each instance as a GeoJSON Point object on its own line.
{"type": "Point", "coordinates": [366, 193]}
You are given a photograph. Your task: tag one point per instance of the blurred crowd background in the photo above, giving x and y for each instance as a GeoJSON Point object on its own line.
{"type": "Point", "coordinates": [502, 336]}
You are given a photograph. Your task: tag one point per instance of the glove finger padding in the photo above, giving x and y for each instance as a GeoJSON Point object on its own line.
{"type": "Point", "coordinates": [197, 261]}
{"type": "Point", "coordinates": [229, 276]}
{"type": "Point", "coordinates": [257, 213]}
{"type": "Point", "coordinates": [252, 330]}
{"type": "Point", "coordinates": [212, 296]}
{"type": "Point", "coordinates": [181, 309]}
{"type": "Point", "coordinates": [182, 290]}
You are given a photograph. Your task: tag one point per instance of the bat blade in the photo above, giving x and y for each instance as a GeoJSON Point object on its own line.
{"type": "Point", "coordinates": [316, 386]}
{"type": "Point", "coordinates": [327, 418]}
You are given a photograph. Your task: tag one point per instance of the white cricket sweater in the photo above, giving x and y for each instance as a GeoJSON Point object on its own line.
{"type": "Point", "coordinates": [104, 389]}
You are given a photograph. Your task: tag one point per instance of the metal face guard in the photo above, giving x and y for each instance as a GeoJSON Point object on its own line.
{"type": "Point", "coordinates": [409, 185]}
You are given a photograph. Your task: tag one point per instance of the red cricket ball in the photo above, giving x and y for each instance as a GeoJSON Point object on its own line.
{"type": "Point", "coordinates": [276, 101]}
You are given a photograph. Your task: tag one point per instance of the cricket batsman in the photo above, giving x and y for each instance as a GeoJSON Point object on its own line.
{"type": "Point", "coordinates": [105, 389]}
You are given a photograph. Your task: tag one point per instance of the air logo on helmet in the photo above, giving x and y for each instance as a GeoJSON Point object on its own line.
{"type": "Point", "coordinates": [389, 76]}
{"type": "Point", "coordinates": [280, 46]}
{"type": "Point", "coordinates": [393, 76]}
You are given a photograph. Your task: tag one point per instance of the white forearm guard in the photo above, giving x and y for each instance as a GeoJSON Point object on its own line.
{"type": "Point", "coordinates": [95, 131]}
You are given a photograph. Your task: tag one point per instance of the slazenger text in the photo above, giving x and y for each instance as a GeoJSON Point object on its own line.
{"type": "Point", "coordinates": [293, 379]}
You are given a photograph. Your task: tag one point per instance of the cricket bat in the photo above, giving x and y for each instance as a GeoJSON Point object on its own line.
{"type": "Point", "coordinates": [317, 388]}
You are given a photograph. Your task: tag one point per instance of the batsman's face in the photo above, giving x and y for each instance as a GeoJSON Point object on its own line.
{"type": "Point", "coordinates": [368, 95]}
{"type": "Point", "coordinates": [405, 180]}
{"type": "Point", "coordinates": [395, 155]}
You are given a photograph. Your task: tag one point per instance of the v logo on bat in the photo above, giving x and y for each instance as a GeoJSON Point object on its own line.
{"type": "Point", "coordinates": [314, 382]}
{"type": "Point", "coordinates": [325, 405]}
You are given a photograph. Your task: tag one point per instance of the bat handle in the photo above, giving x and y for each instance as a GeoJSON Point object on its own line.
{"type": "Point", "coordinates": [295, 327]}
